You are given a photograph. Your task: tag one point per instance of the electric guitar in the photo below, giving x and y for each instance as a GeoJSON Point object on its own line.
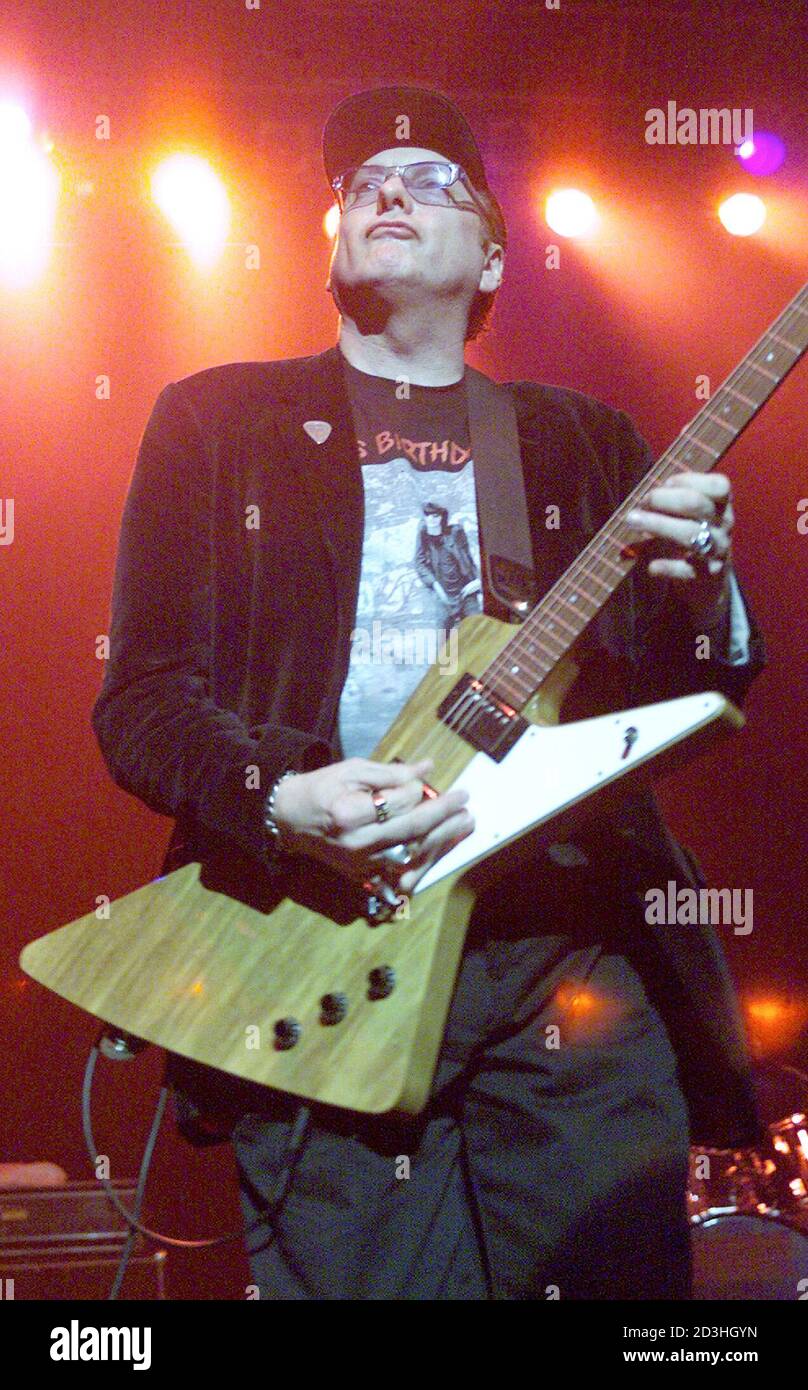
{"type": "Point", "coordinates": [290, 987]}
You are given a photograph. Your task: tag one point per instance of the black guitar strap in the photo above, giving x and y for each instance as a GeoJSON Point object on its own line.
{"type": "Point", "coordinates": [501, 502]}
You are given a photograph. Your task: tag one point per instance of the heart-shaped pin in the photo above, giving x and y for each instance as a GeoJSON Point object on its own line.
{"type": "Point", "coordinates": [318, 430]}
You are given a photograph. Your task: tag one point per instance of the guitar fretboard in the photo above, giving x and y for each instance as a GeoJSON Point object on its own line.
{"type": "Point", "coordinates": [559, 619]}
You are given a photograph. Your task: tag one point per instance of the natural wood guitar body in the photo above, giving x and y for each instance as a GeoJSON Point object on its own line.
{"type": "Point", "coordinates": [188, 963]}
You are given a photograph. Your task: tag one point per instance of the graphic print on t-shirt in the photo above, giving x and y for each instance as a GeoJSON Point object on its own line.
{"type": "Point", "coordinates": [421, 554]}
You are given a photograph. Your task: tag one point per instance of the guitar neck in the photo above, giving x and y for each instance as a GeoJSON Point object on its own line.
{"type": "Point", "coordinates": [559, 619]}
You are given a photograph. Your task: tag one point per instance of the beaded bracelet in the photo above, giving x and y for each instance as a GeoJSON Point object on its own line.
{"type": "Point", "coordinates": [270, 824]}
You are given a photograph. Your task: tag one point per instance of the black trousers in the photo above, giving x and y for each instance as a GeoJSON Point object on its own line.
{"type": "Point", "coordinates": [550, 1162]}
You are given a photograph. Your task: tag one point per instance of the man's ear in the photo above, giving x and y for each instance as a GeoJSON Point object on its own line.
{"type": "Point", "coordinates": [494, 267]}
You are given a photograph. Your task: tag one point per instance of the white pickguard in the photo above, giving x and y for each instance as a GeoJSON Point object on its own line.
{"type": "Point", "coordinates": [550, 769]}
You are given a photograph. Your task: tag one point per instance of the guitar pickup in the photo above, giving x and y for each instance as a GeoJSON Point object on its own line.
{"type": "Point", "coordinates": [477, 714]}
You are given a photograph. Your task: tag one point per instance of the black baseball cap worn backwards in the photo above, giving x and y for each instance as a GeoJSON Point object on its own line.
{"type": "Point", "coordinates": [366, 122]}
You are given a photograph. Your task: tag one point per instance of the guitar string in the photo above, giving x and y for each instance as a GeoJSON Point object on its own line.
{"type": "Point", "coordinates": [523, 646]}
{"type": "Point", "coordinates": [525, 643]}
{"type": "Point", "coordinates": [669, 462]}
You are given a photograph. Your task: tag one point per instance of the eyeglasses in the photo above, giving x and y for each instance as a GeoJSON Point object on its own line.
{"type": "Point", "coordinates": [427, 181]}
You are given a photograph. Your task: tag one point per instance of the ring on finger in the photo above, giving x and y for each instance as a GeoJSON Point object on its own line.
{"type": "Point", "coordinates": [380, 807]}
{"type": "Point", "coordinates": [702, 546]}
{"type": "Point", "coordinates": [400, 854]}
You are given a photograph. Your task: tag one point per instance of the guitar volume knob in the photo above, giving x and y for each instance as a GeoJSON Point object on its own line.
{"type": "Point", "coordinates": [287, 1033]}
{"type": "Point", "coordinates": [381, 981]}
{"type": "Point", "coordinates": [333, 1008]}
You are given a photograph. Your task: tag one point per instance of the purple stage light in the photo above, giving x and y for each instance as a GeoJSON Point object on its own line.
{"type": "Point", "coordinates": [763, 154]}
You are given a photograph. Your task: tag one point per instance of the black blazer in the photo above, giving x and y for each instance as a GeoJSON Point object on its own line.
{"type": "Point", "coordinates": [230, 642]}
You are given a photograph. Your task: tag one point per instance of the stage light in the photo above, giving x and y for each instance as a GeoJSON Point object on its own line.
{"type": "Point", "coordinates": [331, 221]}
{"type": "Point", "coordinates": [763, 154]}
{"type": "Point", "coordinates": [578, 1001]}
{"type": "Point", "coordinates": [193, 199]}
{"type": "Point", "coordinates": [766, 1011]}
{"type": "Point", "coordinates": [15, 124]}
{"type": "Point", "coordinates": [774, 1024]}
{"type": "Point", "coordinates": [743, 214]}
{"type": "Point", "coordinates": [30, 189]}
{"type": "Point", "coordinates": [571, 213]}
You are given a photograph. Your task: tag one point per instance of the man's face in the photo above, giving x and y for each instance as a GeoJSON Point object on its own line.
{"type": "Point", "coordinates": [434, 523]}
{"type": "Point", "coordinates": [436, 252]}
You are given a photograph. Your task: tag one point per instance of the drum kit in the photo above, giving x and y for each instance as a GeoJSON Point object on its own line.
{"type": "Point", "coordinates": [748, 1210]}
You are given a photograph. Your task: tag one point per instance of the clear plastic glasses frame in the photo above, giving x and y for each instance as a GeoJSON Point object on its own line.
{"type": "Point", "coordinates": [412, 176]}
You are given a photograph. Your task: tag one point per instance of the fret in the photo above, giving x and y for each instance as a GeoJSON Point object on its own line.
{"type": "Point", "coordinates": [757, 367]}
{"type": "Point", "coordinates": [593, 574]}
{"type": "Point", "coordinates": [527, 644]}
{"type": "Point", "coordinates": [531, 646]}
{"type": "Point", "coordinates": [559, 644]}
{"type": "Point", "coordinates": [511, 695]}
{"type": "Point", "coordinates": [716, 453]}
{"type": "Point", "coordinates": [755, 405]}
{"type": "Point", "coordinates": [511, 690]}
{"type": "Point", "coordinates": [553, 655]}
{"type": "Point", "coordinates": [545, 630]}
{"type": "Point", "coordinates": [602, 582]}
{"type": "Point", "coordinates": [728, 410]}
{"type": "Point", "coordinates": [693, 439]}
{"type": "Point", "coordinates": [716, 420]}
{"type": "Point", "coordinates": [612, 564]}
{"type": "Point", "coordinates": [792, 347]}
{"type": "Point", "coordinates": [557, 618]}
{"type": "Point", "coordinates": [516, 672]}
{"type": "Point", "coordinates": [581, 598]}
{"type": "Point", "coordinates": [711, 437]}
{"type": "Point", "coordinates": [778, 356]}
{"type": "Point", "coordinates": [516, 693]}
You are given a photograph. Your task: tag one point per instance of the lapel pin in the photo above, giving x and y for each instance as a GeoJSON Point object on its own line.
{"type": "Point", "coordinates": [318, 430]}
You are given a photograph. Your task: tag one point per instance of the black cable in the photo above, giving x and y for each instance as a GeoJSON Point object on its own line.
{"type": "Point", "coordinates": [140, 1191]}
{"type": "Point", "coordinates": [291, 1154]}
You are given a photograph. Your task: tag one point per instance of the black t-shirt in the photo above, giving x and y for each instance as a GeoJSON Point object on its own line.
{"type": "Point", "coordinates": [420, 570]}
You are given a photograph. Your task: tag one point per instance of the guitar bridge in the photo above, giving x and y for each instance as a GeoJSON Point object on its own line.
{"type": "Point", "coordinates": [481, 717]}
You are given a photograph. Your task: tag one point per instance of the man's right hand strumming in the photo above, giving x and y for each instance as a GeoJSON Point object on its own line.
{"type": "Point", "coordinates": [345, 814]}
